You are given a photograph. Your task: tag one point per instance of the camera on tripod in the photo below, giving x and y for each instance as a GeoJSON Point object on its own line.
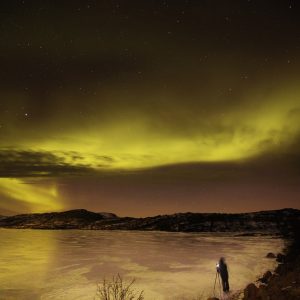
{"type": "Point", "coordinates": [217, 284]}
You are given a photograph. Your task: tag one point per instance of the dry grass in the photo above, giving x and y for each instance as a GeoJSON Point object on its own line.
{"type": "Point", "coordinates": [117, 289]}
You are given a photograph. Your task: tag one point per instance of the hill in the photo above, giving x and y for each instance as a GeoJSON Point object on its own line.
{"type": "Point", "coordinates": [263, 221]}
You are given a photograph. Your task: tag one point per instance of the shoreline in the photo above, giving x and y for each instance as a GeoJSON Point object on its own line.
{"type": "Point", "coordinates": [281, 284]}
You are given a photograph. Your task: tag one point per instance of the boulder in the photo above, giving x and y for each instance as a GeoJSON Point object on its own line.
{"type": "Point", "coordinates": [251, 292]}
{"type": "Point", "coordinates": [280, 258]}
{"type": "Point", "coordinates": [271, 255]}
{"type": "Point", "coordinates": [266, 277]}
{"type": "Point", "coordinates": [281, 269]}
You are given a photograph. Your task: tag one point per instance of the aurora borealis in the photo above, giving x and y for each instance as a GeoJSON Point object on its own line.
{"type": "Point", "coordinates": [149, 107]}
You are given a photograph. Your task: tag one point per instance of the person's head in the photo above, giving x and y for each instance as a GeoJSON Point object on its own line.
{"type": "Point", "coordinates": [222, 261]}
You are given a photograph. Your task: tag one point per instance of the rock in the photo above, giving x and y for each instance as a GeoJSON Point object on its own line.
{"type": "Point", "coordinates": [266, 277]}
{"type": "Point", "coordinates": [250, 292]}
{"type": "Point", "coordinates": [286, 288]}
{"type": "Point", "coordinates": [280, 258]}
{"type": "Point", "coordinates": [271, 255]}
{"type": "Point", "coordinates": [262, 294]}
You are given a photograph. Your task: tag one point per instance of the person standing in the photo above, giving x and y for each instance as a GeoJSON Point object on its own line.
{"type": "Point", "coordinates": [223, 271]}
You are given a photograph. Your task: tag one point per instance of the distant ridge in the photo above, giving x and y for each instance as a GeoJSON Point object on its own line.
{"type": "Point", "coordinates": [263, 221]}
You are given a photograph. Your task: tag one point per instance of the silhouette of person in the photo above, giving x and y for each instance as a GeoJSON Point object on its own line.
{"type": "Point", "coordinates": [223, 271]}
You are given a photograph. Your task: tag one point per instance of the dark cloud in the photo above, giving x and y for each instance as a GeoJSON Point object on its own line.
{"type": "Point", "coordinates": [18, 163]}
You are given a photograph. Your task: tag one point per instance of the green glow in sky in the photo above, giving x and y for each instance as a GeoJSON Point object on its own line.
{"type": "Point", "coordinates": [106, 90]}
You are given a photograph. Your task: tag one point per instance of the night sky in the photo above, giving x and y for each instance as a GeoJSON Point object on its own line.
{"type": "Point", "coordinates": [149, 107]}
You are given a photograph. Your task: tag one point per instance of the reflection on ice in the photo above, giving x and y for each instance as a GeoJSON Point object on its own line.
{"type": "Point", "coordinates": [68, 264]}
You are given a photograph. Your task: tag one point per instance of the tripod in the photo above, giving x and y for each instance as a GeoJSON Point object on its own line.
{"type": "Point", "coordinates": [218, 281]}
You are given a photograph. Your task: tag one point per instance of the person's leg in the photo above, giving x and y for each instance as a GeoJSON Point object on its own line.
{"type": "Point", "coordinates": [227, 285]}
{"type": "Point", "coordinates": [224, 285]}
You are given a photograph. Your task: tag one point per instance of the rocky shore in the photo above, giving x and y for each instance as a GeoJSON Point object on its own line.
{"type": "Point", "coordinates": [284, 282]}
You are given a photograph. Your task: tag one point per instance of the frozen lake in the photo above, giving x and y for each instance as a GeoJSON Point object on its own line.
{"type": "Point", "coordinates": [68, 264]}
